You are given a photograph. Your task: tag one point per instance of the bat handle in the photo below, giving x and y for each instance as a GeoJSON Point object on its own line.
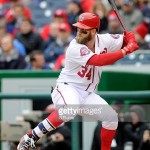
{"type": "Point", "coordinates": [121, 21]}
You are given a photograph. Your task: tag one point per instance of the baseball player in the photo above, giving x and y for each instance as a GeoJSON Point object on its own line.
{"type": "Point", "coordinates": [85, 56]}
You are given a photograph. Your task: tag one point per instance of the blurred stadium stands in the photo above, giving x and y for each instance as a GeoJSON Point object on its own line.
{"type": "Point", "coordinates": [138, 58]}
{"type": "Point", "coordinates": [42, 12]}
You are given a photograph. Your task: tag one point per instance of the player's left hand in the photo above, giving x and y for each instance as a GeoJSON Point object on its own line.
{"type": "Point", "coordinates": [129, 37]}
{"type": "Point", "coordinates": [131, 47]}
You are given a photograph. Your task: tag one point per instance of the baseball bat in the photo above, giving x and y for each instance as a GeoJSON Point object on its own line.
{"type": "Point", "coordinates": [114, 7]}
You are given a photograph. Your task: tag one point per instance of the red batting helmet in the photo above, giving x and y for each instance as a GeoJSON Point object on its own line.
{"type": "Point", "coordinates": [88, 21]}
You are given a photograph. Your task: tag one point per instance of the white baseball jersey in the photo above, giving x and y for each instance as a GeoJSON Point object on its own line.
{"type": "Point", "coordinates": [76, 71]}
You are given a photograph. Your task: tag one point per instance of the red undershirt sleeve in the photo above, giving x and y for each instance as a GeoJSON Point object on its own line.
{"type": "Point", "coordinates": [105, 59]}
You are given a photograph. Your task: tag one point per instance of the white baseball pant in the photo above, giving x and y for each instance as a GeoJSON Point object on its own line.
{"type": "Point", "coordinates": [71, 101]}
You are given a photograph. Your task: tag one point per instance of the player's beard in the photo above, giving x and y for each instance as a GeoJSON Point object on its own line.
{"type": "Point", "coordinates": [84, 40]}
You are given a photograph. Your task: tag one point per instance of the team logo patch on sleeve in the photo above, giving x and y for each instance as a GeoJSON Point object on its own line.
{"type": "Point", "coordinates": [84, 51]}
{"type": "Point", "coordinates": [115, 36]}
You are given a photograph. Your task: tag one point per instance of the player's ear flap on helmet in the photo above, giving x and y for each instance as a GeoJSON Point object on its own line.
{"type": "Point", "coordinates": [88, 21]}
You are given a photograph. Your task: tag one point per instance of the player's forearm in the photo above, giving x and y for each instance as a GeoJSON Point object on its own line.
{"type": "Point", "coordinates": [106, 59]}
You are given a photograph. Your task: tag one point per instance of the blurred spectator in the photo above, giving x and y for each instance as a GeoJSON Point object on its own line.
{"type": "Point", "coordinates": [133, 132]}
{"type": "Point", "coordinates": [73, 11]}
{"type": "Point", "coordinates": [56, 48]}
{"type": "Point", "coordinates": [87, 5]}
{"type": "Point", "coordinates": [2, 18]}
{"type": "Point", "coordinates": [146, 19]}
{"type": "Point", "coordinates": [131, 16]}
{"type": "Point", "coordinates": [143, 4]}
{"type": "Point", "coordinates": [118, 4]}
{"type": "Point", "coordinates": [59, 17]}
{"type": "Point", "coordinates": [2, 29]}
{"type": "Point", "coordinates": [17, 45]}
{"type": "Point", "coordinates": [9, 57]}
{"type": "Point", "coordinates": [10, 11]}
{"type": "Point", "coordinates": [37, 61]}
{"type": "Point", "coordinates": [30, 39]}
{"type": "Point", "coordinates": [114, 26]}
{"type": "Point", "coordinates": [18, 15]}
{"type": "Point", "coordinates": [140, 32]}
{"type": "Point", "coordinates": [52, 34]}
{"type": "Point", "coordinates": [100, 9]}
{"type": "Point", "coordinates": [60, 61]}
{"type": "Point", "coordinates": [9, 27]}
{"type": "Point", "coordinates": [145, 144]}
{"type": "Point", "coordinates": [58, 139]}
{"type": "Point", "coordinates": [146, 15]}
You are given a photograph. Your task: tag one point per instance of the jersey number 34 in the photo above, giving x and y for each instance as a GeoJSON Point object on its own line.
{"type": "Point", "coordinates": [85, 72]}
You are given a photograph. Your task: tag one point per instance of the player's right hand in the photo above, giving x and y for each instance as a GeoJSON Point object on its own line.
{"type": "Point", "coordinates": [129, 37]}
{"type": "Point", "coordinates": [131, 47]}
